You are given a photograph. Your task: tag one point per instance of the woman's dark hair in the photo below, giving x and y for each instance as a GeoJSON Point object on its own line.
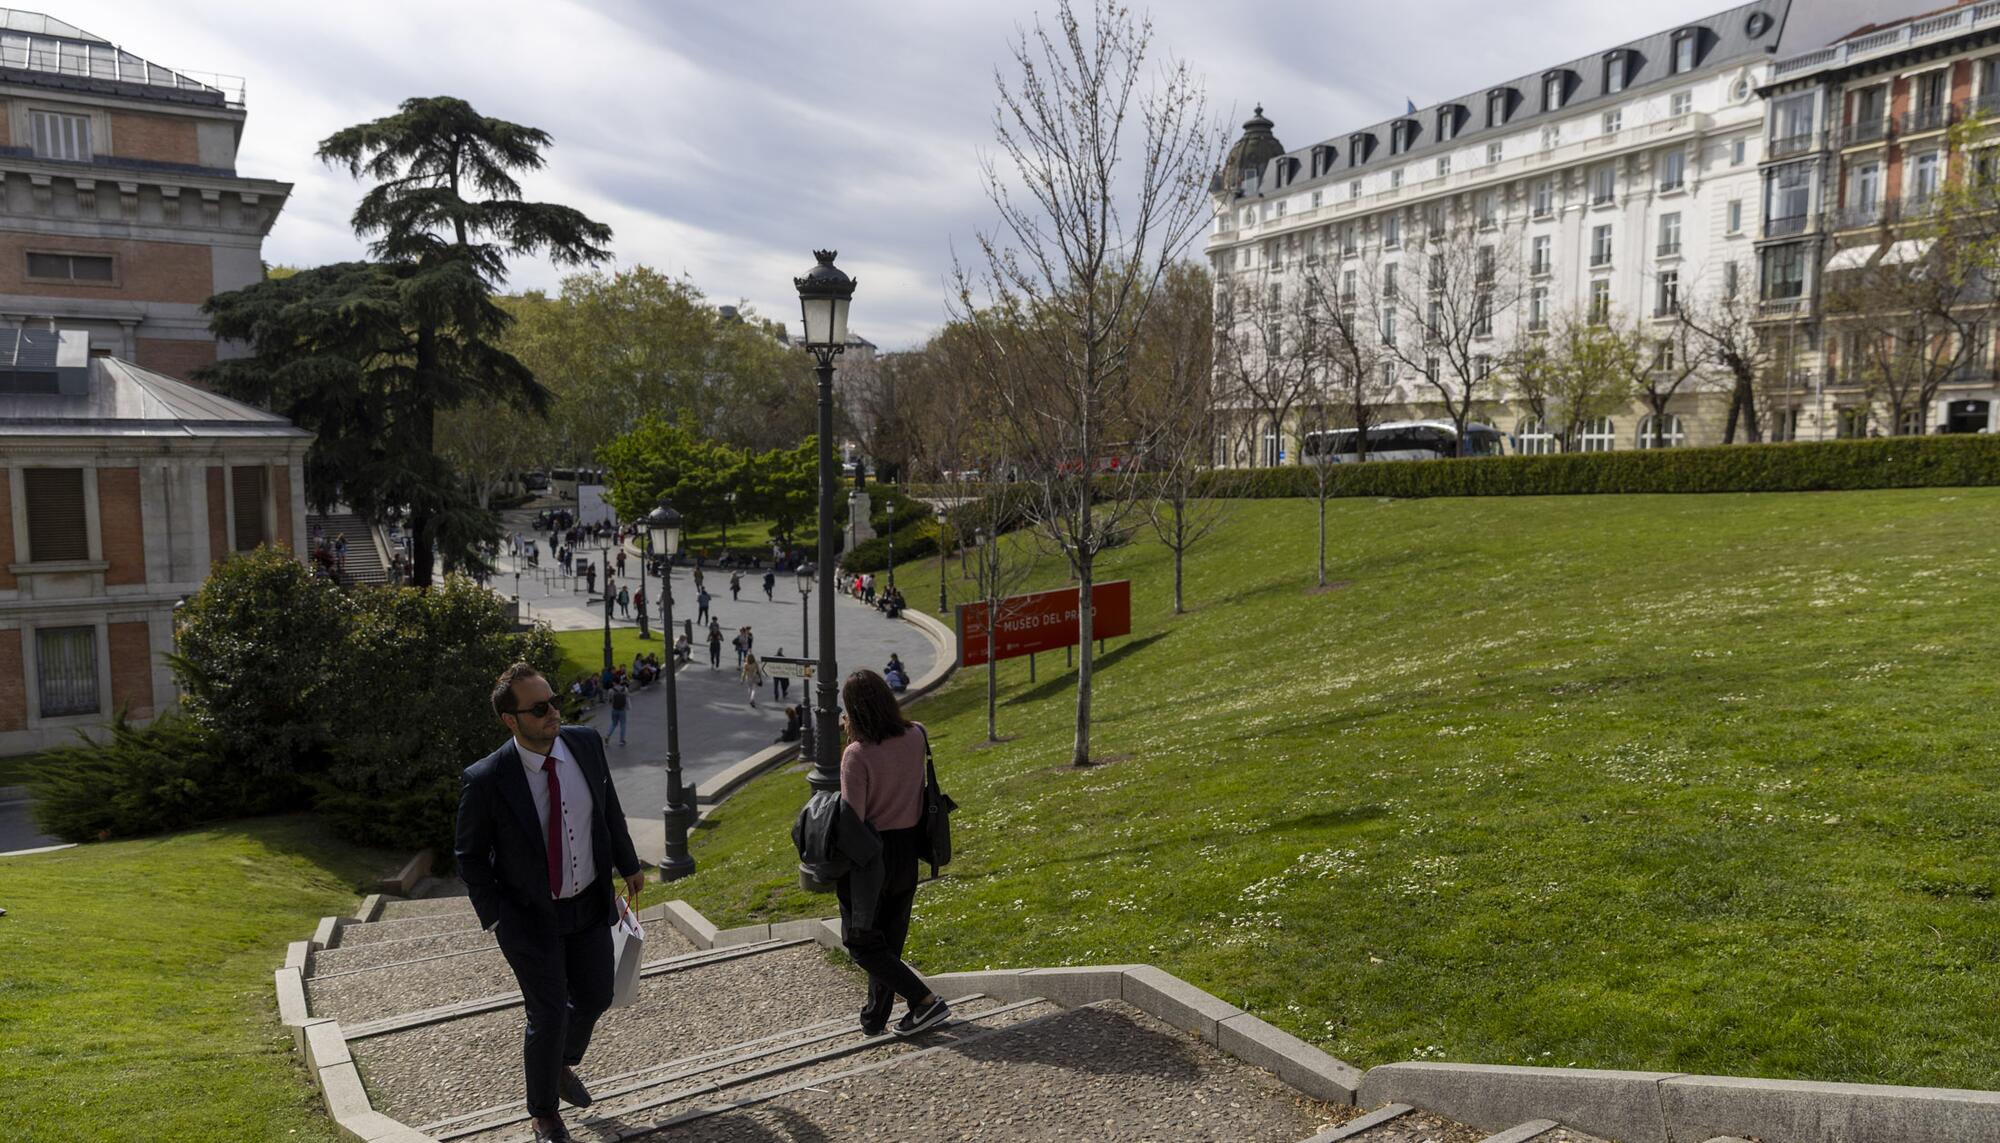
{"type": "Point", "coordinates": [872, 711]}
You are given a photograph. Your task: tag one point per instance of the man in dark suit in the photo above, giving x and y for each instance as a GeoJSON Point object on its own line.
{"type": "Point", "coordinates": [540, 834]}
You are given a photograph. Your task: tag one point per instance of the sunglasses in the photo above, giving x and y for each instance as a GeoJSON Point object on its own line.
{"type": "Point", "coordinates": [540, 709]}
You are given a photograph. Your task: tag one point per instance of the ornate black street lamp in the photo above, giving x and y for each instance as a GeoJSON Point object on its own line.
{"type": "Point", "coordinates": [805, 578]}
{"type": "Point", "coordinates": [824, 294]}
{"type": "Point", "coordinates": [663, 526]}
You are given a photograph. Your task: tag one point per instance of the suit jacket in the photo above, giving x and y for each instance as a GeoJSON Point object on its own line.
{"type": "Point", "coordinates": [501, 848]}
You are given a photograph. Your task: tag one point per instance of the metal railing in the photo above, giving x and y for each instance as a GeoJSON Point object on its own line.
{"type": "Point", "coordinates": [1791, 144]}
{"type": "Point", "coordinates": [1666, 248]}
{"type": "Point", "coordinates": [1932, 118]}
{"type": "Point", "coordinates": [1865, 131]}
{"type": "Point", "coordinates": [1600, 259]}
{"type": "Point", "coordinates": [109, 62]}
{"type": "Point", "coordinates": [1788, 224]}
{"type": "Point", "coordinates": [1854, 217]}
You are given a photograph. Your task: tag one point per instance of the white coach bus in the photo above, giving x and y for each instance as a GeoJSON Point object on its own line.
{"type": "Point", "coordinates": [1400, 440]}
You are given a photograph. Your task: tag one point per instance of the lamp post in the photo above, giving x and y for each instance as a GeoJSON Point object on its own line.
{"type": "Point", "coordinates": [824, 294]}
{"type": "Point", "coordinates": [604, 564]}
{"type": "Point", "coordinates": [944, 606]}
{"type": "Point", "coordinates": [663, 526]}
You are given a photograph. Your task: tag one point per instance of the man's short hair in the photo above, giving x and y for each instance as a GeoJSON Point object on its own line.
{"type": "Point", "coordinates": [503, 687]}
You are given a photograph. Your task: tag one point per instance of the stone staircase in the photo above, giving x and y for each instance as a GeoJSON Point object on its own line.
{"type": "Point", "coordinates": [410, 1022]}
{"type": "Point", "coordinates": [363, 562]}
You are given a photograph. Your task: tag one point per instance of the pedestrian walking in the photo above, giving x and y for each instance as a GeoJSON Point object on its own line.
{"type": "Point", "coordinates": [882, 781]}
{"type": "Point", "coordinates": [742, 646]}
{"type": "Point", "coordinates": [701, 604]}
{"type": "Point", "coordinates": [621, 697]}
{"type": "Point", "coordinates": [753, 677]}
{"type": "Point", "coordinates": [624, 600]}
{"type": "Point", "coordinates": [714, 646]}
{"type": "Point", "coordinates": [621, 560]}
{"type": "Point", "coordinates": [781, 685]}
{"type": "Point", "coordinates": [770, 581]}
{"type": "Point", "coordinates": [541, 842]}
{"type": "Point", "coordinates": [736, 586]}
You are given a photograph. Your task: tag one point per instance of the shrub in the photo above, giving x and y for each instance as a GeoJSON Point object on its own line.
{"type": "Point", "coordinates": [1892, 462]}
{"type": "Point", "coordinates": [260, 649]}
{"type": "Point", "coordinates": [169, 775]}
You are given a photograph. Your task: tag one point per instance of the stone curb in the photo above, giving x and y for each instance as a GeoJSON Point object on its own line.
{"type": "Point", "coordinates": [688, 920]}
{"type": "Point", "coordinates": [1170, 999]}
{"type": "Point", "coordinates": [946, 641]}
{"type": "Point", "coordinates": [371, 908]}
{"type": "Point", "coordinates": [1670, 1107]}
{"type": "Point", "coordinates": [339, 1083]}
{"type": "Point", "coordinates": [323, 936]}
{"type": "Point", "coordinates": [414, 870]}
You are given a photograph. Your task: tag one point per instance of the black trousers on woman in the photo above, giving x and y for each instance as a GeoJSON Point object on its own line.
{"type": "Point", "coordinates": [879, 951]}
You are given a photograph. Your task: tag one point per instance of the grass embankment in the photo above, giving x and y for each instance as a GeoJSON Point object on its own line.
{"type": "Point", "coordinates": [1699, 783]}
{"type": "Point", "coordinates": [135, 982]}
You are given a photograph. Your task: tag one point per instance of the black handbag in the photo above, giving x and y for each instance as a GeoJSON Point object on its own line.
{"type": "Point", "coordinates": [938, 808]}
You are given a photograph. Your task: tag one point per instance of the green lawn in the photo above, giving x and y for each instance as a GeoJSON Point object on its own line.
{"type": "Point", "coordinates": [1702, 783]}
{"type": "Point", "coordinates": [135, 983]}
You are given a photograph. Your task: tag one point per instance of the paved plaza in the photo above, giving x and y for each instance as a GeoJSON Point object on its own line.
{"type": "Point", "coordinates": [718, 726]}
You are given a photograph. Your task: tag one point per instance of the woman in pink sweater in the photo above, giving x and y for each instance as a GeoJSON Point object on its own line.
{"type": "Point", "coordinates": [882, 780]}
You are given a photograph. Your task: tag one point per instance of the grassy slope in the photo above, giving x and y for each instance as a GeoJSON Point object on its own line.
{"type": "Point", "coordinates": [1689, 783]}
{"type": "Point", "coordinates": [135, 982]}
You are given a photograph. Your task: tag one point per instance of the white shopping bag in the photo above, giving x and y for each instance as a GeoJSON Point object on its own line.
{"type": "Point", "coordinates": [628, 941]}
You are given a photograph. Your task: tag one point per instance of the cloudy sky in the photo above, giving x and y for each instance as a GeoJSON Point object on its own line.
{"type": "Point", "coordinates": [727, 141]}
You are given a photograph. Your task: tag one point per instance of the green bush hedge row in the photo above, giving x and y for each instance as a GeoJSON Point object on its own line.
{"type": "Point", "coordinates": [1892, 462]}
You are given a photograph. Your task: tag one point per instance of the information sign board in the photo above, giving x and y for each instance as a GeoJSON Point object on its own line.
{"type": "Point", "coordinates": [1042, 621]}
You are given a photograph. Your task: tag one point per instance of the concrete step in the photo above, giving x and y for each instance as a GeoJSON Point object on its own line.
{"type": "Point", "coordinates": [457, 1063]}
{"type": "Point", "coordinates": [1400, 1123]}
{"type": "Point", "coordinates": [1104, 1071]}
{"type": "Point", "coordinates": [435, 979]}
{"type": "Point", "coordinates": [346, 958]}
{"type": "Point", "coordinates": [403, 928]}
{"type": "Point", "coordinates": [398, 908]}
{"type": "Point", "coordinates": [639, 1100]}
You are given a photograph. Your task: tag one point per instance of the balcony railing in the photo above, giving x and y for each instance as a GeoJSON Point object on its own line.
{"type": "Point", "coordinates": [1788, 224]}
{"type": "Point", "coordinates": [1791, 144]}
{"type": "Point", "coordinates": [1954, 23]}
{"type": "Point", "coordinates": [1668, 248]}
{"type": "Point", "coordinates": [1782, 307]}
{"type": "Point", "coordinates": [1865, 131]}
{"type": "Point", "coordinates": [1855, 217]}
{"type": "Point", "coordinates": [1603, 259]}
{"type": "Point", "coordinates": [1930, 118]}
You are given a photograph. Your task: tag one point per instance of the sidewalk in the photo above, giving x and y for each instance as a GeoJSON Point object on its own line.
{"type": "Point", "coordinates": [718, 727]}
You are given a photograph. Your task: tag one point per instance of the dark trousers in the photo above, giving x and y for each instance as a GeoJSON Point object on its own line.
{"type": "Point", "coordinates": [565, 976]}
{"type": "Point", "coordinates": [879, 951]}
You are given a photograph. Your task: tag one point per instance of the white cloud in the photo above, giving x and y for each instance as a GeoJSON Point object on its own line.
{"type": "Point", "coordinates": [728, 141]}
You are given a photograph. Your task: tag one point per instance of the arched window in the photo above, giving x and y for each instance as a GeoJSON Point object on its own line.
{"type": "Point", "coordinates": [1674, 435]}
{"type": "Point", "coordinates": [1598, 435]}
{"type": "Point", "coordinates": [1533, 438]}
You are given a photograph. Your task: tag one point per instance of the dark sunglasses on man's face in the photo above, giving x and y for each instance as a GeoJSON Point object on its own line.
{"type": "Point", "coordinates": [540, 709]}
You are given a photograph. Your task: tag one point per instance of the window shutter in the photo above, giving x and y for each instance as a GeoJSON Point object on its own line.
{"type": "Point", "coordinates": [247, 484]}
{"type": "Point", "coordinates": [57, 523]}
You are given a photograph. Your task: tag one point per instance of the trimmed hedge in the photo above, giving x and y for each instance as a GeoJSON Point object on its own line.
{"type": "Point", "coordinates": [1823, 466]}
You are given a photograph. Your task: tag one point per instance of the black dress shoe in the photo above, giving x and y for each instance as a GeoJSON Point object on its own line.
{"type": "Point", "coordinates": [556, 1134]}
{"type": "Point", "coordinates": [571, 1089]}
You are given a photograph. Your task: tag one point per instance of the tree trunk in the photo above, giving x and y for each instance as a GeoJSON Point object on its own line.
{"type": "Point", "coordinates": [1080, 754]}
{"type": "Point", "coordinates": [1322, 530]}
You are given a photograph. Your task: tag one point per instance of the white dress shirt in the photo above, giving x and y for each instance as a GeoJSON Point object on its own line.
{"type": "Point", "coordinates": [579, 856]}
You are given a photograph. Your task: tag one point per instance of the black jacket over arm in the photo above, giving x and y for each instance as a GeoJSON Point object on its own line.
{"type": "Point", "coordinates": [501, 851]}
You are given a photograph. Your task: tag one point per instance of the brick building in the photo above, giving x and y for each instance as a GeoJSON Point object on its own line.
{"type": "Point", "coordinates": [121, 212]}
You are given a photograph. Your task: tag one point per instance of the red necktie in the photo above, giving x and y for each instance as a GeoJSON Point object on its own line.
{"type": "Point", "coordinates": [555, 827]}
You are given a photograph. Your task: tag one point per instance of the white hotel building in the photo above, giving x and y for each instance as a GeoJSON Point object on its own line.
{"type": "Point", "coordinates": [1623, 179]}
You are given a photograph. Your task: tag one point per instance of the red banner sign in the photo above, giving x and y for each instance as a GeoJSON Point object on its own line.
{"type": "Point", "coordinates": [1043, 621]}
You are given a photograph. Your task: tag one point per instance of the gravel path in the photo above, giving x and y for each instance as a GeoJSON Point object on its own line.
{"type": "Point", "coordinates": [662, 940]}
{"type": "Point", "coordinates": [343, 958]}
{"type": "Point", "coordinates": [372, 931]}
{"type": "Point", "coordinates": [613, 1118]}
{"type": "Point", "coordinates": [1106, 1073]}
{"type": "Point", "coordinates": [459, 1066]}
{"type": "Point", "coordinates": [397, 910]}
{"type": "Point", "coordinates": [401, 988]}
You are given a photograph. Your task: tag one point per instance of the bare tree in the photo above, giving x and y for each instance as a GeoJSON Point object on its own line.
{"type": "Point", "coordinates": [1349, 374]}
{"type": "Point", "coordinates": [1907, 327]}
{"type": "Point", "coordinates": [1178, 354]}
{"type": "Point", "coordinates": [1676, 360]}
{"type": "Point", "coordinates": [1469, 279]}
{"type": "Point", "coordinates": [1721, 321]}
{"type": "Point", "coordinates": [1087, 232]}
{"type": "Point", "coordinates": [1592, 366]}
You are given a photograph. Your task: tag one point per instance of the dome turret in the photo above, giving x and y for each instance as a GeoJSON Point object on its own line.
{"type": "Point", "coordinates": [1250, 155]}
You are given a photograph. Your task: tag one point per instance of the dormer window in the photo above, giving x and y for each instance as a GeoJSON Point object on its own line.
{"type": "Point", "coordinates": [1402, 135]}
{"type": "Point", "coordinates": [1687, 43]}
{"type": "Point", "coordinates": [1617, 71]}
{"type": "Point", "coordinates": [1499, 104]}
{"type": "Point", "coordinates": [1359, 146]}
{"type": "Point", "coordinates": [1448, 117]}
{"type": "Point", "coordinates": [1555, 90]}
